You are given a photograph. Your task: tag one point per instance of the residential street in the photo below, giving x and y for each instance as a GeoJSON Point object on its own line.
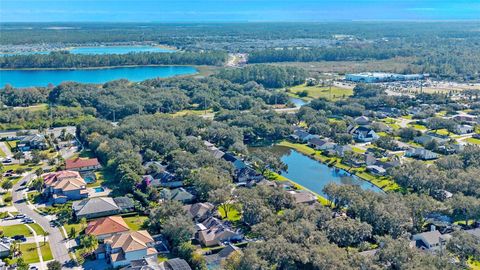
{"type": "Point", "coordinates": [56, 240]}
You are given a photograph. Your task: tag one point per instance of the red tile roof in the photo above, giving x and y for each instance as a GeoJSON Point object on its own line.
{"type": "Point", "coordinates": [107, 225]}
{"type": "Point", "coordinates": [80, 163]}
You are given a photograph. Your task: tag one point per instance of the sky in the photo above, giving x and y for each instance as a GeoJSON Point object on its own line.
{"type": "Point", "coordinates": [235, 10]}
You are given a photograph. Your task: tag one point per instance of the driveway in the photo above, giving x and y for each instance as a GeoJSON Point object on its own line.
{"type": "Point", "coordinates": [55, 238]}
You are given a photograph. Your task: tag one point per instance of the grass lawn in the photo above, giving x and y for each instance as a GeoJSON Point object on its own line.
{"type": "Point", "coordinates": [46, 252]}
{"type": "Point", "coordinates": [11, 144]}
{"type": "Point", "coordinates": [192, 112]}
{"type": "Point", "coordinates": [135, 223]}
{"type": "Point", "coordinates": [2, 154]}
{"type": "Point", "coordinates": [358, 150]}
{"type": "Point", "coordinates": [29, 253]}
{"type": "Point", "coordinates": [443, 132]}
{"type": "Point", "coordinates": [474, 265]}
{"type": "Point", "coordinates": [233, 213]}
{"type": "Point", "coordinates": [12, 230]}
{"type": "Point", "coordinates": [473, 141]}
{"type": "Point", "coordinates": [34, 108]}
{"type": "Point", "coordinates": [418, 127]}
{"type": "Point", "coordinates": [77, 226]}
{"type": "Point", "coordinates": [320, 198]}
{"type": "Point", "coordinates": [322, 92]}
{"type": "Point", "coordinates": [37, 228]}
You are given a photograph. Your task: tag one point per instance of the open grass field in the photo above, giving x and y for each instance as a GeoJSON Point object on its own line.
{"type": "Point", "coordinates": [322, 92]}
{"type": "Point", "coordinates": [34, 108]}
{"type": "Point", "coordinates": [136, 222]}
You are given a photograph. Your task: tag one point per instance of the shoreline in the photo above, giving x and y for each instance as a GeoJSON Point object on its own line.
{"type": "Point", "coordinates": [384, 188]}
{"type": "Point", "coordinates": [106, 67]}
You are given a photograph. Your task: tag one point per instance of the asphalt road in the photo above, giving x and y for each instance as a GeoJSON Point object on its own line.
{"type": "Point", "coordinates": [55, 237]}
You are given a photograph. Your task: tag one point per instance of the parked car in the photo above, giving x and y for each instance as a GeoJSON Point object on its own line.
{"type": "Point", "coordinates": [20, 216]}
{"type": "Point", "coordinates": [19, 237]}
{"type": "Point", "coordinates": [7, 160]}
{"type": "Point", "coordinates": [28, 220]}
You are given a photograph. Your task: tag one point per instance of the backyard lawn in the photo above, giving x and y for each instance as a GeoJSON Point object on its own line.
{"type": "Point", "coordinates": [76, 226]}
{"type": "Point", "coordinates": [322, 92]}
{"type": "Point", "coordinates": [135, 223]}
{"type": "Point", "coordinates": [233, 213]}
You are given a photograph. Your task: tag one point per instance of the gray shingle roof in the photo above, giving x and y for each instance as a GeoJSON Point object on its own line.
{"type": "Point", "coordinates": [94, 205]}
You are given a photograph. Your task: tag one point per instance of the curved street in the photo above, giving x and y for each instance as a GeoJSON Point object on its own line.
{"type": "Point", "coordinates": [55, 237]}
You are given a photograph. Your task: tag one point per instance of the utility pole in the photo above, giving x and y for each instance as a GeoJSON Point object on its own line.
{"type": "Point", "coordinates": [114, 116]}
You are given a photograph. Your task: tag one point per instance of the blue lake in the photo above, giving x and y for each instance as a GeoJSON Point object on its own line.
{"type": "Point", "coordinates": [315, 175]}
{"type": "Point", "coordinates": [26, 78]}
{"type": "Point", "coordinates": [103, 50]}
{"type": "Point", "coordinates": [298, 102]}
{"type": "Point", "coordinates": [119, 49]}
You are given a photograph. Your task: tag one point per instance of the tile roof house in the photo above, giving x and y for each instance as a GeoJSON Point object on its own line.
{"type": "Point", "coordinates": [376, 170]}
{"type": "Point", "coordinates": [199, 211]}
{"type": "Point", "coordinates": [64, 186]}
{"type": "Point", "coordinates": [82, 164]}
{"type": "Point", "coordinates": [248, 174]}
{"type": "Point", "coordinates": [122, 248]}
{"type": "Point", "coordinates": [95, 207]}
{"type": "Point", "coordinates": [212, 232]}
{"type": "Point", "coordinates": [431, 240]}
{"type": "Point", "coordinates": [105, 227]}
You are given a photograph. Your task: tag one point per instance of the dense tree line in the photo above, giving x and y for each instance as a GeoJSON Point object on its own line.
{"type": "Point", "coordinates": [324, 54]}
{"type": "Point", "coordinates": [267, 75]}
{"type": "Point", "coordinates": [23, 97]}
{"type": "Point", "coordinates": [68, 60]}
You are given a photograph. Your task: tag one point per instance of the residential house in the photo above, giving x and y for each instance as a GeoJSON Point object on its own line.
{"type": "Point", "coordinates": [64, 186]}
{"type": "Point", "coordinates": [303, 196]}
{"type": "Point", "coordinates": [466, 118]}
{"type": "Point", "coordinates": [162, 179]}
{"type": "Point", "coordinates": [106, 227]}
{"type": "Point", "coordinates": [425, 139]}
{"type": "Point", "coordinates": [363, 134]}
{"type": "Point", "coordinates": [321, 144]}
{"type": "Point", "coordinates": [101, 207]}
{"type": "Point", "coordinates": [148, 263]}
{"type": "Point", "coordinates": [5, 249]}
{"type": "Point", "coordinates": [248, 175]}
{"type": "Point", "coordinates": [82, 164]}
{"type": "Point", "coordinates": [464, 129]}
{"type": "Point", "coordinates": [199, 211]}
{"type": "Point", "coordinates": [362, 120]}
{"type": "Point", "coordinates": [31, 142]}
{"type": "Point", "coordinates": [431, 240]}
{"type": "Point", "coordinates": [178, 194]}
{"type": "Point", "coordinates": [421, 153]}
{"type": "Point", "coordinates": [217, 153]}
{"type": "Point", "coordinates": [301, 135]}
{"type": "Point", "coordinates": [376, 170]}
{"type": "Point", "coordinates": [213, 232]}
{"type": "Point", "coordinates": [340, 150]}
{"type": "Point", "coordinates": [237, 162]}
{"type": "Point", "coordinates": [122, 248]}
{"type": "Point", "coordinates": [214, 260]}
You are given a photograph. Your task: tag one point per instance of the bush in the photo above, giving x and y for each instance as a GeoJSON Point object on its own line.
{"type": "Point", "coordinates": [7, 198]}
